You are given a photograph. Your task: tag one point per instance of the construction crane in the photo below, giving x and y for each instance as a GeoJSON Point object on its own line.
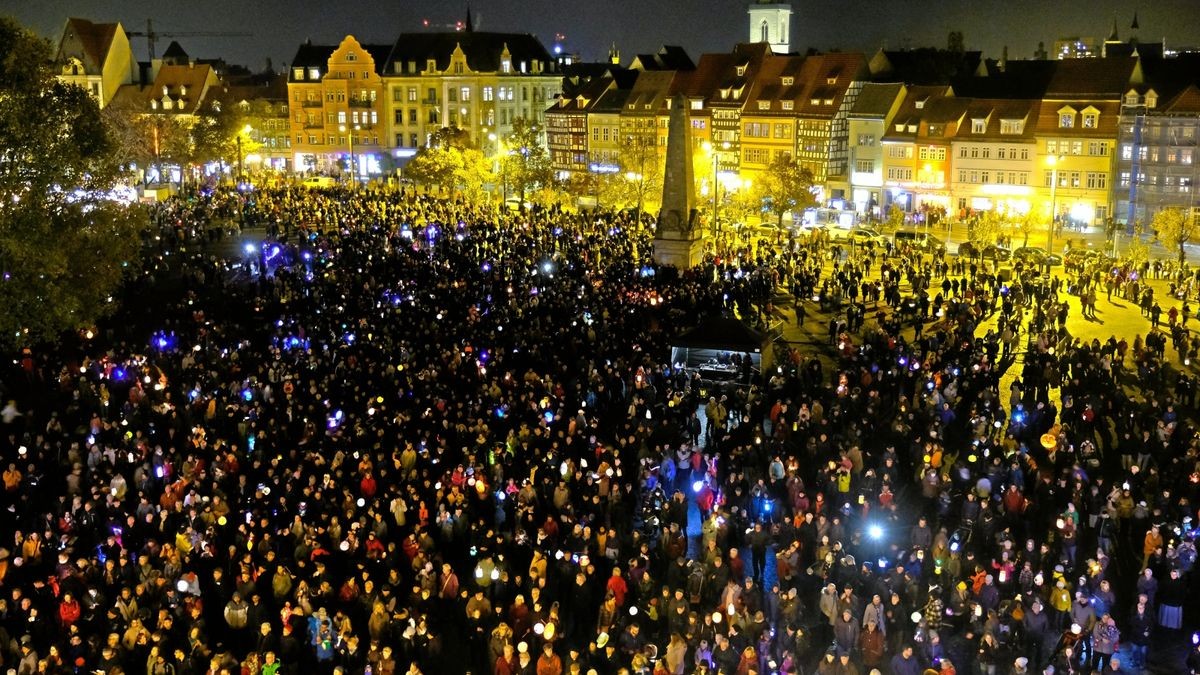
{"type": "Point", "coordinates": [152, 35]}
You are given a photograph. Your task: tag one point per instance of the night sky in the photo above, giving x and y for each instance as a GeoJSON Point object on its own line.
{"type": "Point", "coordinates": [591, 25]}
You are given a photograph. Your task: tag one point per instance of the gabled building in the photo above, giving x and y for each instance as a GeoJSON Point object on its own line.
{"type": "Point", "coordinates": [1076, 136]}
{"type": "Point", "coordinates": [910, 175]}
{"type": "Point", "coordinates": [604, 121]}
{"type": "Point", "coordinates": [262, 100]}
{"type": "Point", "coordinates": [479, 82]}
{"type": "Point", "coordinates": [97, 57]}
{"type": "Point", "coordinates": [1158, 162]}
{"type": "Point", "coordinates": [994, 157]}
{"type": "Point", "coordinates": [875, 108]}
{"type": "Point", "coordinates": [335, 95]}
{"type": "Point", "coordinates": [567, 129]}
{"type": "Point", "coordinates": [832, 84]}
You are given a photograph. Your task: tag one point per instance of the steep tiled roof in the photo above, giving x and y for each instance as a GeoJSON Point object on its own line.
{"type": "Point", "coordinates": [1090, 78]}
{"type": "Point", "coordinates": [912, 111]}
{"type": "Point", "coordinates": [1108, 112]}
{"type": "Point", "coordinates": [185, 85]}
{"type": "Point", "coordinates": [995, 111]}
{"type": "Point", "coordinates": [482, 50]}
{"type": "Point", "coordinates": [668, 57]}
{"type": "Point", "coordinates": [876, 100]}
{"type": "Point", "coordinates": [1186, 102]}
{"type": "Point", "coordinates": [89, 42]}
{"type": "Point", "coordinates": [309, 55]}
{"type": "Point", "coordinates": [923, 66]}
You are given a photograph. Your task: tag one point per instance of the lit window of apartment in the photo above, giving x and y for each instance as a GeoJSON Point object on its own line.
{"type": "Point", "coordinates": [1066, 120]}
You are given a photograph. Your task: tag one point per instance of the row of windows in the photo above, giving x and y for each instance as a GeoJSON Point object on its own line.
{"type": "Point", "coordinates": [899, 173]}
{"type": "Point", "coordinates": [937, 154]}
{"type": "Point", "coordinates": [1094, 148]}
{"type": "Point", "coordinates": [1092, 180]}
{"type": "Point", "coordinates": [1183, 183]}
{"type": "Point", "coordinates": [1171, 155]}
{"type": "Point", "coordinates": [338, 140]}
{"type": "Point", "coordinates": [866, 140]}
{"type": "Point", "coordinates": [985, 152]}
{"type": "Point", "coordinates": [1000, 177]}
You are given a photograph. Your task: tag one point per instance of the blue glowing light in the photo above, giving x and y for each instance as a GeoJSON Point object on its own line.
{"type": "Point", "coordinates": [247, 394]}
{"type": "Point", "coordinates": [118, 374]}
{"type": "Point", "coordinates": [250, 249]}
{"type": "Point", "coordinates": [697, 486]}
{"type": "Point", "coordinates": [875, 532]}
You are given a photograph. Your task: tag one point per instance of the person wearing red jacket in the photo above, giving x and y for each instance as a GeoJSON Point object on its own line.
{"type": "Point", "coordinates": [68, 610]}
{"type": "Point", "coordinates": [617, 586]}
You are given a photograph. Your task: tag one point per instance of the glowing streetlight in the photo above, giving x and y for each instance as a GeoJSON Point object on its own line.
{"type": "Point", "coordinates": [1053, 161]}
{"type": "Point", "coordinates": [353, 163]}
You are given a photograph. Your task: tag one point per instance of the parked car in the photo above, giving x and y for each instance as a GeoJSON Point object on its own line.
{"type": "Point", "coordinates": [920, 241]}
{"type": "Point", "coordinates": [864, 235]}
{"type": "Point", "coordinates": [1036, 255]}
{"type": "Point", "coordinates": [990, 252]}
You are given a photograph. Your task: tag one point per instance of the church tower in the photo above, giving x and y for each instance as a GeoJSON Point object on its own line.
{"type": "Point", "coordinates": [771, 22]}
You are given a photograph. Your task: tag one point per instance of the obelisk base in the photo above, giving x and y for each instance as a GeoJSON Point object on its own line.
{"type": "Point", "coordinates": [679, 253]}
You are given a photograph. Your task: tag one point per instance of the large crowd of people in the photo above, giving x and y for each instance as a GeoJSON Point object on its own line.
{"type": "Point", "coordinates": [408, 435]}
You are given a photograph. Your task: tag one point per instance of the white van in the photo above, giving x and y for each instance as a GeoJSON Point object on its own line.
{"type": "Point", "coordinates": [319, 182]}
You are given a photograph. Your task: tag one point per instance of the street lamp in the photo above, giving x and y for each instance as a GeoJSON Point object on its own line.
{"type": "Point", "coordinates": [241, 197]}
{"type": "Point", "coordinates": [716, 183]}
{"type": "Point", "coordinates": [353, 163]}
{"type": "Point", "coordinates": [1053, 161]}
{"type": "Point", "coordinates": [245, 130]}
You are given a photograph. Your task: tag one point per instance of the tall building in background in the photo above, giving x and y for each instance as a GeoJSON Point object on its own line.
{"type": "Point", "coordinates": [335, 96]}
{"type": "Point", "coordinates": [771, 22]}
{"type": "Point", "coordinates": [97, 57]}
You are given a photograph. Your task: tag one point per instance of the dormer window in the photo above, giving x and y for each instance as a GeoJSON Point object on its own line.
{"type": "Point", "coordinates": [166, 91]}
{"type": "Point", "coordinates": [166, 104]}
{"type": "Point", "coordinates": [912, 128]}
{"type": "Point", "coordinates": [1089, 120]}
{"type": "Point", "coordinates": [298, 73]}
{"type": "Point", "coordinates": [1012, 127]}
{"type": "Point", "coordinates": [828, 101]}
{"type": "Point", "coordinates": [697, 104]}
{"type": "Point", "coordinates": [741, 71]}
{"type": "Point", "coordinates": [788, 80]}
{"type": "Point", "coordinates": [814, 101]}
{"type": "Point", "coordinates": [1131, 98]}
{"type": "Point", "coordinates": [431, 65]}
{"type": "Point", "coordinates": [787, 105]}
{"type": "Point", "coordinates": [832, 79]}
{"type": "Point", "coordinates": [764, 105]}
{"type": "Point", "coordinates": [153, 105]}
{"type": "Point", "coordinates": [1066, 120]}
{"type": "Point", "coordinates": [314, 73]}
{"type": "Point", "coordinates": [1151, 99]}
{"type": "Point", "coordinates": [920, 105]}
{"type": "Point", "coordinates": [183, 90]}
{"type": "Point", "coordinates": [506, 66]}
{"type": "Point", "coordinates": [900, 126]}
{"type": "Point", "coordinates": [978, 126]}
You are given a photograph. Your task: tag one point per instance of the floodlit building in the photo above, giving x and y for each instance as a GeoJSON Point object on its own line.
{"type": "Point", "coordinates": [97, 57]}
{"type": "Point", "coordinates": [335, 96]}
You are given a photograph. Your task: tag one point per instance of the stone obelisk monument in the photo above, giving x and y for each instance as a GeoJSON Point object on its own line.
{"type": "Point", "coordinates": [677, 239]}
